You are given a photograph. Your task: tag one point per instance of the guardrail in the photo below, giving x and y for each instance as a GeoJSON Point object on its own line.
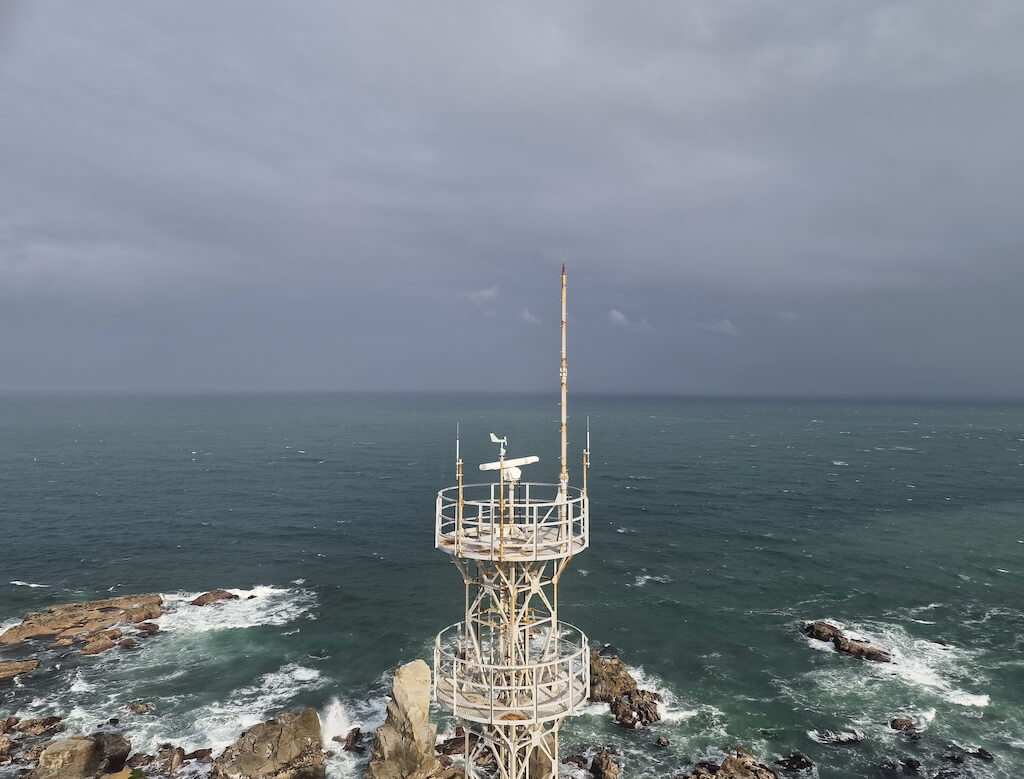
{"type": "Point", "coordinates": [538, 523]}
{"type": "Point", "coordinates": [503, 694]}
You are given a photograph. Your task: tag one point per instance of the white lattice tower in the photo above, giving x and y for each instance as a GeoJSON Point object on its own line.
{"type": "Point", "coordinates": [511, 671]}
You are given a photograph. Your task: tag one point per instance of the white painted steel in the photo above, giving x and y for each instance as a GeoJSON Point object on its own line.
{"type": "Point", "coordinates": [539, 522]}
{"type": "Point", "coordinates": [523, 694]}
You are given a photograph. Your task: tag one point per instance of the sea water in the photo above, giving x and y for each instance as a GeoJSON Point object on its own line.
{"type": "Point", "coordinates": [717, 528]}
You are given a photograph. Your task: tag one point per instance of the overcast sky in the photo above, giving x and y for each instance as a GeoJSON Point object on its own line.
{"type": "Point", "coordinates": [799, 197]}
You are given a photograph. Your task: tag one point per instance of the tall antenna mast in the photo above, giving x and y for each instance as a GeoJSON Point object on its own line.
{"type": "Point", "coordinates": [563, 476]}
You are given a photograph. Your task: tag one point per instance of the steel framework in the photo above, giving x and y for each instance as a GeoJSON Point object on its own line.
{"type": "Point", "coordinates": [511, 671]}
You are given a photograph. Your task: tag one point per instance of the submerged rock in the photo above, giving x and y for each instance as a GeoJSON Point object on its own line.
{"type": "Point", "coordinates": [795, 762]}
{"type": "Point", "coordinates": [403, 747]}
{"type": "Point", "coordinates": [826, 631]}
{"type": "Point", "coordinates": [901, 723]}
{"type": "Point", "coordinates": [213, 596]}
{"type": "Point", "coordinates": [288, 747]}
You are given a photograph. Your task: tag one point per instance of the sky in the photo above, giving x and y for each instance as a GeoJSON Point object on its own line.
{"type": "Point", "coordinates": [770, 197]}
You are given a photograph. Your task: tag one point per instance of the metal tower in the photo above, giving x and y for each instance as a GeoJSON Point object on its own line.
{"type": "Point", "coordinates": [511, 671]}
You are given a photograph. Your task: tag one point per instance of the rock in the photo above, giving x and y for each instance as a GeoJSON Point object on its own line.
{"type": "Point", "coordinates": [42, 726]}
{"type": "Point", "coordinates": [661, 742]}
{"type": "Point", "coordinates": [609, 678]}
{"type": "Point", "coordinates": [351, 741]}
{"type": "Point", "coordinates": [148, 627]}
{"type": "Point", "coordinates": [457, 744]}
{"type": "Point", "coordinates": [910, 764]}
{"type": "Point", "coordinates": [139, 708]}
{"type": "Point", "coordinates": [840, 737]}
{"type": "Point", "coordinates": [138, 760]}
{"type": "Point", "coordinates": [10, 669]}
{"type": "Point", "coordinates": [795, 762]}
{"type": "Point", "coordinates": [114, 751]}
{"type": "Point", "coordinates": [288, 747]}
{"type": "Point", "coordinates": [955, 757]}
{"type": "Point", "coordinates": [81, 620]}
{"type": "Point", "coordinates": [97, 645]}
{"type": "Point", "coordinates": [981, 754]}
{"type": "Point", "coordinates": [823, 631]}
{"type": "Point", "coordinates": [73, 758]}
{"type": "Point", "coordinates": [169, 759]}
{"type": "Point", "coordinates": [214, 596]}
{"type": "Point", "coordinates": [5, 749]}
{"type": "Point", "coordinates": [901, 723]}
{"type": "Point", "coordinates": [126, 643]}
{"type": "Point", "coordinates": [636, 708]}
{"type": "Point", "coordinates": [403, 747]}
{"type": "Point", "coordinates": [740, 765]}
{"type": "Point", "coordinates": [202, 755]}
{"type": "Point", "coordinates": [31, 755]}
{"type": "Point", "coordinates": [7, 725]}
{"type": "Point", "coordinates": [577, 760]}
{"type": "Point", "coordinates": [861, 649]}
{"type": "Point", "coordinates": [602, 766]}
{"type": "Point", "coordinates": [124, 773]}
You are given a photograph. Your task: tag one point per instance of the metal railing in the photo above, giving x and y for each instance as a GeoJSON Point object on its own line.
{"type": "Point", "coordinates": [537, 523]}
{"type": "Point", "coordinates": [511, 694]}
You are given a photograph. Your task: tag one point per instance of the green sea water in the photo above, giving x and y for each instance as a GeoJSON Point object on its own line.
{"type": "Point", "coordinates": [717, 528]}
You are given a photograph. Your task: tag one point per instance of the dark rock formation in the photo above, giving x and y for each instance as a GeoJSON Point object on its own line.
{"type": "Point", "coordinates": [114, 751]}
{"type": "Point", "coordinates": [286, 748]}
{"type": "Point", "coordinates": [603, 767]}
{"type": "Point", "coordinates": [636, 708]}
{"type": "Point", "coordinates": [214, 596]}
{"type": "Point", "coordinates": [901, 723]}
{"type": "Point", "coordinates": [140, 708]}
{"type": "Point", "coordinates": [577, 760]}
{"type": "Point", "coordinates": [825, 631]}
{"type": "Point", "coordinates": [202, 755]}
{"type": "Point", "coordinates": [661, 742]}
{"type": "Point", "coordinates": [795, 762]}
{"type": "Point", "coordinates": [910, 764]}
{"type": "Point", "coordinates": [169, 759]}
{"type": "Point", "coordinates": [10, 669]}
{"type": "Point", "coordinates": [351, 741]}
{"type": "Point", "coordinates": [740, 765]}
{"type": "Point", "coordinates": [403, 747]}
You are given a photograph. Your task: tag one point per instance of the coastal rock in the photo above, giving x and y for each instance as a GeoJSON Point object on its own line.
{"type": "Point", "coordinates": [97, 645]}
{"type": "Point", "coordinates": [901, 723]}
{"type": "Point", "coordinates": [577, 760]}
{"type": "Point", "coordinates": [823, 631]}
{"type": "Point", "coordinates": [80, 621]}
{"type": "Point", "coordinates": [114, 751]}
{"type": "Point", "coordinates": [10, 669]}
{"type": "Point", "coordinates": [861, 649]}
{"type": "Point", "coordinates": [138, 760]}
{"type": "Point", "coordinates": [661, 742]}
{"type": "Point", "coordinates": [213, 596]}
{"type": "Point", "coordinates": [403, 747]}
{"type": "Point", "coordinates": [139, 708]}
{"type": "Point", "coordinates": [795, 762]}
{"type": "Point", "coordinates": [288, 747]}
{"type": "Point", "coordinates": [603, 767]}
{"type": "Point", "coordinates": [635, 708]}
{"type": "Point", "coordinates": [740, 765]}
{"type": "Point", "coordinates": [168, 759]}
{"type": "Point", "coordinates": [609, 678]}
{"type": "Point", "coordinates": [202, 755]}
{"type": "Point", "coordinates": [838, 737]}
{"type": "Point", "coordinates": [5, 750]}
{"type": "Point", "coordinates": [148, 627]}
{"type": "Point", "coordinates": [40, 726]}
{"type": "Point", "coordinates": [7, 725]}
{"type": "Point", "coordinates": [72, 758]}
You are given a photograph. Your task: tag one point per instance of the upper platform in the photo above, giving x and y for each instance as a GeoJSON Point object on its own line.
{"type": "Point", "coordinates": [539, 522]}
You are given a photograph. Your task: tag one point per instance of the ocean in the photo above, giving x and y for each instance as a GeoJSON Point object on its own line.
{"type": "Point", "coordinates": [718, 527]}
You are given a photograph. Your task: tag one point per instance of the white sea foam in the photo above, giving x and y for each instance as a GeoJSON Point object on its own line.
{"type": "Point", "coordinates": [19, 583]}
{"type": "Point", "coordinates": [262, 605]}
{"type": "Point", "coordinates": [839, 462]}
{"type": "Point", "coordinates": [336, 719]}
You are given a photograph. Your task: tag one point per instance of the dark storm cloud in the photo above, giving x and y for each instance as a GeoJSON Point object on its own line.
{"type": "Point", "coordinates": [779, 197]}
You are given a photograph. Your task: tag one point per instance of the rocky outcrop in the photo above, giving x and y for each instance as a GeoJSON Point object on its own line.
{"type": "Point", "coordinates": [824, 631]}
{"type": "Point", "coordinates": [288, 747]}
{"type": "Point", "coordinates": [403, 747]}
{"type": "Point", "coordinates": [87, 623]}
{"type": "Point", "coordinates": [795, 762]}
{"type": "Point", "coordinates": [603, 767]}
{"type": "Point", "coordinates": [611, 681]}
{"type": "Point", "coordinates": [214, 596]}
{"type": "Point", "coordinates": [901, 723]}
{"type": "Point", "coordinates": [114, 751]}
{"type": "Point", "coordinates": [41, 726]}
{"type": "Point", "coordinates": [8, 670]}
{"type": "Point", "coordinates": [72, 758]}
{"type": "Point", "coordinates": [740, 765]}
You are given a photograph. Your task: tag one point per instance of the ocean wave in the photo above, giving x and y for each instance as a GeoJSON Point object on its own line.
{"type": "Point", "coordinates": [262, 605]}
{"type": "Point", "coordinates": [337, 718]}
{"type": "Point", "coordinates": [19, 583]}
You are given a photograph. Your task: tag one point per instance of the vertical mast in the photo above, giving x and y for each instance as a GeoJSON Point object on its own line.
{"type": "Point", "coordinates": [563, 476]}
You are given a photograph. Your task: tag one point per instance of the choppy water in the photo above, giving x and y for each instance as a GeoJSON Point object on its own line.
{"type": "Point", "coordinates": [718, 527]}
